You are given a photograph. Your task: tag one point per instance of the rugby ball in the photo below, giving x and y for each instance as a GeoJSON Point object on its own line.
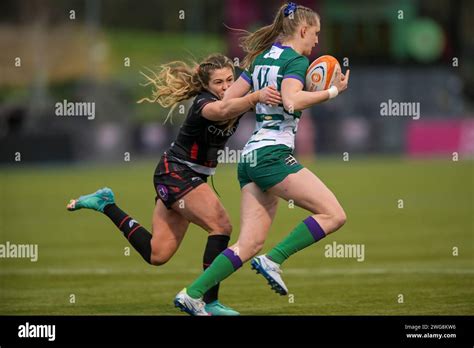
{"type": "Point", "coordinates": [322, 73]}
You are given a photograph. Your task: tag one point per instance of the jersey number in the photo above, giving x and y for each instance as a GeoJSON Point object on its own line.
{"type": "Point", "coordinates": [263, 77]}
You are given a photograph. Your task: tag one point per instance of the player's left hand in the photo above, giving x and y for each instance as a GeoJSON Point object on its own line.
{"type": "Point", "coordinates": [269, 95]}
{"type": "Point", "coordinates": [342, 82]}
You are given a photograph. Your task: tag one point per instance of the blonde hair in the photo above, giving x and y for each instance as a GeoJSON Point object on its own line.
{"type": "Point", "coordinates": [177, 81]}
{"type": "Point", "coordinates": [283, 26]}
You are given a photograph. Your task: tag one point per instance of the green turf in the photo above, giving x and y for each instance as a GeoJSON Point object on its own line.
{"type": "Point", "coordinates": [407, 251]}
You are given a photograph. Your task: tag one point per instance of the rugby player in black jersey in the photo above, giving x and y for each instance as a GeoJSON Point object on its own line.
{"type": "Point", "coordinates": [180, 178]}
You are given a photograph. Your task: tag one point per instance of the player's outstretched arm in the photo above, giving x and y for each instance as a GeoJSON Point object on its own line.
{"type": "Point", "coordinates": [238, 89]}
{"type": "Point", "coordinates": [294, 98]}
{"type": "Point", "coordinates": [229, 108]}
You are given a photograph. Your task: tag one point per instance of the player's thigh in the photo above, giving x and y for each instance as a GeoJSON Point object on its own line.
{"type": "Point", "coordinates": [202, 207]}
{"type": "Point", "coordinates": [168, 229]}
{"type": "Point", "coordinates": [307, 191]}
{"type": "Point", "coordinates": [257, 211]}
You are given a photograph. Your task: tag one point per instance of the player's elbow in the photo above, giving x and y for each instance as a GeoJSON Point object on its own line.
{"type": "Point", "coordinates": [225, 112]}
{"type": "Point", "coordinates": [217, 111]}
{"type": "Point", "coordinates": [290, 105]}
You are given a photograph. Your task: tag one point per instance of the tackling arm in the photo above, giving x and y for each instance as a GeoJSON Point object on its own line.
{"type": "Point", "coordinates": [236, 101]}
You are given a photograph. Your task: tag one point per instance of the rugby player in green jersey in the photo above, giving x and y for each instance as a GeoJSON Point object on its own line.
{"type": "Point", "coordinates": [275, 57]}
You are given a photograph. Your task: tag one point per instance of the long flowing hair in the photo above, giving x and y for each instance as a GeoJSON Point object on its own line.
{"type": "Point", "coordinates": [178, 81]}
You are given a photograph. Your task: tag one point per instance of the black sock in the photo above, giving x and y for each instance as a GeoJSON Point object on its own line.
{"type": "Point", "coordinates": [139, 237]}
{"type": "Point", "coordinates": [215, 245]}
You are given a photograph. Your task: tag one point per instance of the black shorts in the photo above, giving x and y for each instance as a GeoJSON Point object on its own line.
{"type": "Point", "coordinates": [172, 180]}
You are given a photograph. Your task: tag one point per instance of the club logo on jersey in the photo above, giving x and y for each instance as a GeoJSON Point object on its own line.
{"type": "Point", "coordinates": [162, 192]}
{"type": "Point", "coordinates": [131, 222]}
{"type": "Point", "coordinates": [290, 160]}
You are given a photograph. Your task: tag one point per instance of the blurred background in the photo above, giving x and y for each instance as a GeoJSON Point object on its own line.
{"type": "Point", "coordinates": [93, 50]}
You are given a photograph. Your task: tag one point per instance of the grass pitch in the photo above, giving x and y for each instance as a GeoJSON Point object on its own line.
{"type": "Point", "coordinates": [408, 251]}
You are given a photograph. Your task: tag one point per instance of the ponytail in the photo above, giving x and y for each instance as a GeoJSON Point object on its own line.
{"type": "Point", "coordinates": [255, 43]}
{"type": "Point", "coordinates": [176, 81]}
{"type": "Point", "coordinates": [286, 21]}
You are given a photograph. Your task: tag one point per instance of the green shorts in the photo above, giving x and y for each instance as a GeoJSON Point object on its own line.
{"type": "Point", "coordinates": [267, 166]}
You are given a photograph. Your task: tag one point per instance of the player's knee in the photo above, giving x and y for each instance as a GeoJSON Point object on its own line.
{"type": "Point", "coordinates": [222, 225]}
{"type": "Point", "coordinates": [157, 259]}
{"type": "Point", "coordinates": [225, 226]}
{"type": "Point", "coordinates": [339, 218]}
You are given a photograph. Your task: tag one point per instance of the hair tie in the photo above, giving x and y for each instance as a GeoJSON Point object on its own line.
{"type": "Point", "coordinates": [290, 8]}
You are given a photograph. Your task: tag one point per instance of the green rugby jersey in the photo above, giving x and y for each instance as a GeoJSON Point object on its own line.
{"type": "Point", "coordinates": [275, 125]}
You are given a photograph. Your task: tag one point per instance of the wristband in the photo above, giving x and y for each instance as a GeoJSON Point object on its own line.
{"type": "Point", "coordinates": [333, 92]}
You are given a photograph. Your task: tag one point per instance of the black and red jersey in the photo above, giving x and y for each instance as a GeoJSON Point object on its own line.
{"type": "Point", "coordinates": [200, 139]}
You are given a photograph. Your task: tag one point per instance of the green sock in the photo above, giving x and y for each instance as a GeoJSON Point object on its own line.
{"type": "Point", "coordinates": [306, 233]}
{"type": "Point", "coordinates": [223, 266]}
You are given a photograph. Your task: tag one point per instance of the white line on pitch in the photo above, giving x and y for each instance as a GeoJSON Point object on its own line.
{"type": "Point", "coordinates": [291, 271]}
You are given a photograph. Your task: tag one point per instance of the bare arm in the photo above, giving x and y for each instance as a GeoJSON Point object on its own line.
{"type": "Point", "coordinates": [294, 98]}
{"type": "Point", "coordinates": [222, 110]}
{"type": "Point", "coordinates": [238, 89]}
{"type": "Point", "coordinates": [236, 101]}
